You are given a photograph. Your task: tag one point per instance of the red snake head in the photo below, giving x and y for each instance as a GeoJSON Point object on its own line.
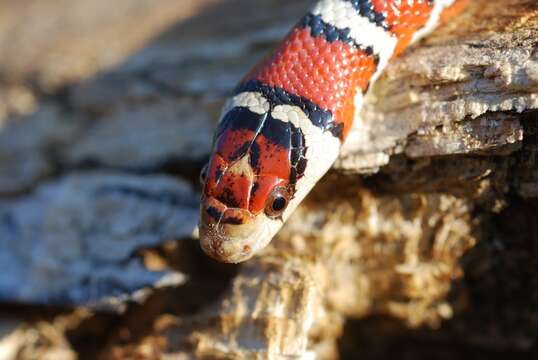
{"type": "Point", "coordinates": [258, 173]}
{"type": "Point", "coordinates": [247, 185]}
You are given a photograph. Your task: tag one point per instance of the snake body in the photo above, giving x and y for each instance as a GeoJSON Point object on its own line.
{"type": "Point", "coordinates": [283, 127]}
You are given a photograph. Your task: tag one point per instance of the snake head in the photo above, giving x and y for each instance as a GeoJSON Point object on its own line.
{"type": "Point", "coordinates": [246, 187]}
{"type": "Point", "coordinates": [257, 174]}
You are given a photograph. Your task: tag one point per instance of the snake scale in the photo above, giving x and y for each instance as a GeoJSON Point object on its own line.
{"type": "Point", "coordinates": [283, 126]}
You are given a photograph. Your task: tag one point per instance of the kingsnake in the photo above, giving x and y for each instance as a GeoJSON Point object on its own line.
{"type": "Point", "coordinates": [283, 127]}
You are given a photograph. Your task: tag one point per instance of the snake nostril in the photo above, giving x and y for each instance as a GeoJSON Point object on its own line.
{"type": "Point", "coordinates": [214, 213]}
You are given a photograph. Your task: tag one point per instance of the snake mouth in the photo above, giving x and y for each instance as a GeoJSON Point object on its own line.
{"type": "Point", "coordinates": [229, 235]}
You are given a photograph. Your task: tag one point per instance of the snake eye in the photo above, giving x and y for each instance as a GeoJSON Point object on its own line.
{"type": "Point", "coordinates": [277, 202]}
{"type": "Point", "coordinates": [203, 174]}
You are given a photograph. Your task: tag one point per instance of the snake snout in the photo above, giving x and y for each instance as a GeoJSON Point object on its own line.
{"type": "Point", "coordinates": [227, 235]}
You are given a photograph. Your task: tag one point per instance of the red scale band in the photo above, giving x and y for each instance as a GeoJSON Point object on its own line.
{"type": "Point", "coordinates": [404, 18]}
{"type": "Point", "coordinates": [326, 73]}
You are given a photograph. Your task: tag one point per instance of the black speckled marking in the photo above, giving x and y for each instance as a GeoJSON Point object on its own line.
{"type": "Point", "coordinates": [228, 198]}
{"type": "Point", "coordinates": [214, 213]}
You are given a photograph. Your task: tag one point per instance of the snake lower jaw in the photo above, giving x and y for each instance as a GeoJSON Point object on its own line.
{"type": "Point", "coordinates": [228, 249]}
